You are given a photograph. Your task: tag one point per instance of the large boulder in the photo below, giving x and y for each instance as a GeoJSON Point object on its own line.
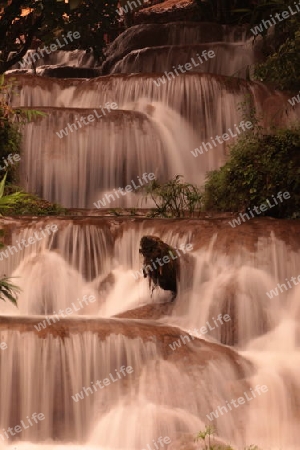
{"type": "Point", "coordinates": [161, 264]}
{"type": "Point", "coordinates": [168, 11]}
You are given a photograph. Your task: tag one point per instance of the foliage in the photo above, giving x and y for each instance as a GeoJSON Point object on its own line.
{"type": "Point", "coordinates": [248, 112]}
{"type": "Point", "coordinates": [174, 198]}
{"type": "Point", "coordinates": [11, 119]}
{"type": "Point", "coordinates": [8, 291]}
{"type": "Point", "coordinates": [206, 433]}
{"type": "Point", "coordinates": [9, 201]}
{"type": "Point", "coordinates": [281, 48]}
{"type": "Point", "coordinates": [9, 114]}
{"type": "Point", "coordinates": [30, 205]}
{"type": "Point", "coordinates": [10, 136]}
{"type": "Point", "coordinates": [282, 68]}
{"type": "Point", "coordinates": [259, 166]}
{"type": "Point", "coordinates": [46, 20]}
{"type": "Point", "coordinates": [252, 447]}
{"type": "Point", "coordinates": [10, 140]}
{"type": "Point", "coordinates": [96, 21]}
{"type": "Point", "coordinates": [210, 431]}
{"type": "Point", "coordinates": [17, 203]}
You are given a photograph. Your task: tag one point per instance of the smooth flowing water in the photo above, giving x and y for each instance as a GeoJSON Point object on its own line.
{"type": "Point", "coordinates": [41, 372]}
{"type": "Point", "coordinates": [65, 336]}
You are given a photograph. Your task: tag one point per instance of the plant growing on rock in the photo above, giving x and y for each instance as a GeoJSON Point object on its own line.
{"type": "Point", "coordinates": [258, 167]}
{"type": "Point", "coordinates": [206, 435]}
{"type": "Point", "coordinates": [10, 136]}
{"type": "Point", "coordinates": [174, 198]}
{"type": "Point", "coordinates": [282, 68]}
{"type": "Point", "coordinates": [8, 291]}
{"type": "Point", "coordinates": [10, 200]}
{"type": "Point", "coordinates": [281, 47]}
{"type": "Point", "coordinates": [11, 120]}
{"type": "Point", "coordinates": [164, 275]}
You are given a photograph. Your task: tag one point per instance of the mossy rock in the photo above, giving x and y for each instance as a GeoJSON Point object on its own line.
{"type": "Point", "coordinates": [35, 206]}
{"type": "Point", "coordinates": [161, 265]}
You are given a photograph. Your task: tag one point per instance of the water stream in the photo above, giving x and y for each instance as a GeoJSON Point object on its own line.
{"type": "Point", "coordinates": [65, 335]}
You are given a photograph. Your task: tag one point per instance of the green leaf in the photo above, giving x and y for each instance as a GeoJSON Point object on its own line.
{"type": "Point", "coordinates": [2, 185]}
{"type": "Point", "coordinates": [8, 291]}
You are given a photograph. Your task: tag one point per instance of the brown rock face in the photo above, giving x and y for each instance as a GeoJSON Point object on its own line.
{"type": "Point", "coordinates": [70, 72]}
{"type": "Point", "coordinates": [145, 345]}
{"type": "Point", "coordinates": [197, 351]}
{"type": "Point", "coordinates": [151, 311]}
{"type": "Point", "coordinates": [168, 11]}
{"type": "Point", "coordinates": [151, 35]}
{"type": "Point", "coordinates": [161, 265]}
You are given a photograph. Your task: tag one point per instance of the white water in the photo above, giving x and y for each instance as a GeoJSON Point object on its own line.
{"type": "Point", "coordinates": [77, 170]}
{"type": "Point", "coordinates": [155, 129]}
{"type": "Point", "coordinates": [169, 393]}
{"type": "Point", "coordinates": [203, 99]}
{"type": "Point", "coordinates": [266, 334]}
{"type": "Point", "coordinates": [59, 58]}
{"type": "Point", "coordinates": [165, 58]}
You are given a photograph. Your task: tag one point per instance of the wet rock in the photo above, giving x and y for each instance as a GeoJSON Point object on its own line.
{"type": "Point", "coordinates": [161, 264]}
{"type": "Point", "coordinates": [69, 72]}
{"type": "Point", "coordinates": [150, 311]}
{"type": "Point", "coordinates": [155, 35]}
{"type": "Point", "coordinates": [196, 351]}
{"type": "Point", "coordinates": [168, 11]}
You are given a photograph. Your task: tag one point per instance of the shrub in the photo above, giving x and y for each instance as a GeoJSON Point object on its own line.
{"type": "Point", "coordinates": [9, 201]}
{"type": "Point", "coordinates": [10, 136]}
{"type": "Point", "coordinates": [34, 206]}
{"type": "Point", "coordinates": [282, 68]}
{"type": "Point", "coordinates": [8, 291]}
{"type": "Point", "coordinates": [259, 166]}
{"type": "Point", "coordinates": [11, 120]}
{"type": "Point", "coordinates": [174, 198]}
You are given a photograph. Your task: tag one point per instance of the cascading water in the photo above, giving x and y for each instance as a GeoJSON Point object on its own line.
{"type": "Point", "coordinates": [59, 58]}
{"type": "Point", "coordinates": [213, 283]}
{"type": "Point", "coordinates": [215, 98]}
{"type": "Point", "coordinates": [138, 143]}
{"type": "Point", "coordinates": [161, 59]}
{"type": "Point", "coordinates": [85, 311]}
{"type": "Point", "coordinates": [63, 156]}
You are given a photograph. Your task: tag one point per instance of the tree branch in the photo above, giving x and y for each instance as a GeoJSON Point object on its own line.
{"type": "Point", "coordinates": [5, 65]}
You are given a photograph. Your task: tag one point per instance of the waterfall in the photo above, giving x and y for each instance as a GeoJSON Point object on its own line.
{"type": "Point", "coordinates": [263, 331]}
{"type": "Point", "coordinates": [60, 161]}
{"type": "Point", "coordinates": [164, 58]}
{"type": "Point", "coordinates": [225, 352]}
{"type": "Point", "coordinates": [138, 143]}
